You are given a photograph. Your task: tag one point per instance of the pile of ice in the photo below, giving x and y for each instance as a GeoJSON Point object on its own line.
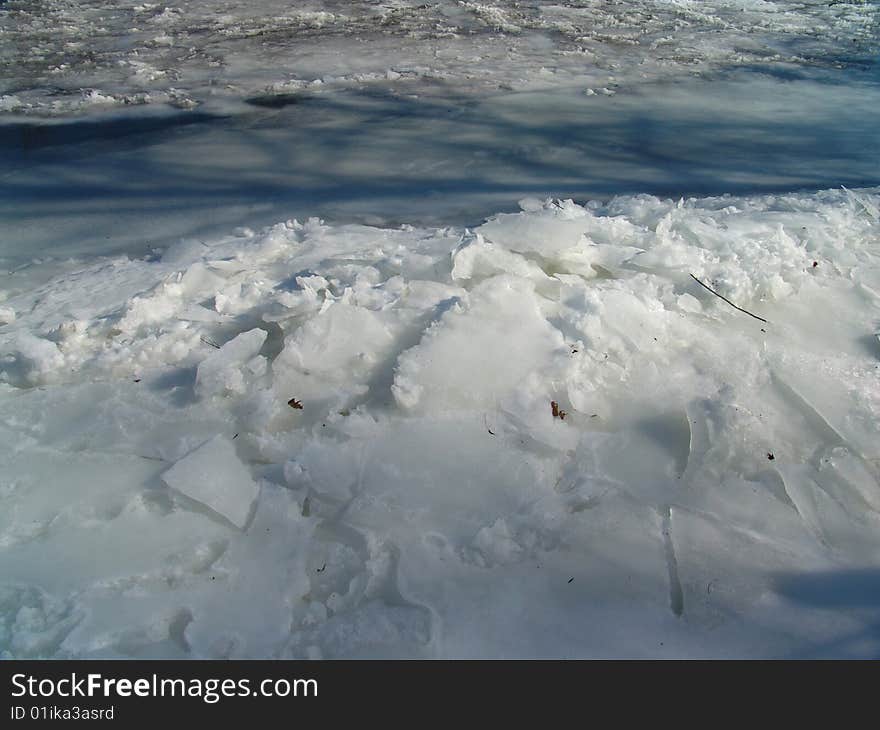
{"type": "Point", "coordinates": [60, 57]}
{"type": "Point", "coordinates": [542, 437]}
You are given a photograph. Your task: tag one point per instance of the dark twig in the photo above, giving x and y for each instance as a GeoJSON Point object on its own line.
{"type": "Point", "coordinates": [744, 311]}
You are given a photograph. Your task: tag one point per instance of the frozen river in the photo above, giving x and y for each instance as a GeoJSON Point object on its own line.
{"type": "Point", "coordinates": [132, 181]}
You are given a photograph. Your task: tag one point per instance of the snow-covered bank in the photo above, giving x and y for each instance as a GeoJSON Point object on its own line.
{"type": "Point", "coordinates": [338, 440]}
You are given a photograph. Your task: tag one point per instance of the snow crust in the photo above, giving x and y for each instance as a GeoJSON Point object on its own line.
{"type": "Point", "coordinates": [318, 440]}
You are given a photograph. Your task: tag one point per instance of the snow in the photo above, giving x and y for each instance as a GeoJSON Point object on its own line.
{"type": "Point", "coordinates": [307, 353]}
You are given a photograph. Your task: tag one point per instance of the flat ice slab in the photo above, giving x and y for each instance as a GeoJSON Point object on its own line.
{"type": "Point", "coordinates": [221, 371]}
{"type": "Point", "coordinates": [214, 476]}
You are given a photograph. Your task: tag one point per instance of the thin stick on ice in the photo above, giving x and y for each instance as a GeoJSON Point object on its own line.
{"type": "Point", "coordinates": [744, 311]}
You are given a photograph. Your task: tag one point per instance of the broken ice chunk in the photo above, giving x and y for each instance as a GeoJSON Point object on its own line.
{"type": "Point", "coordinates": [214, 475]}
{"type": "Point", "coordinates": [221, 371]}
{"type": "Point", "coordinates": [545, 232]}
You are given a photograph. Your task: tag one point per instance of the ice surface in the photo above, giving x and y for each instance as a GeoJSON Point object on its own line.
{"type": "Point", "coordinates": [192, 119]}
{"type": "Point", "coordinates": [430, 422]}
{"type": "Point", "coordinates": [423, 500]}
{"type": "Point", "coordinates": [214, 475]}
{"type": "Point", "coordinates": [132, 182]}
{"type": "Point", "coordinates": [188, 54]}
{"type": "Point", "coordinates": [223, 371]}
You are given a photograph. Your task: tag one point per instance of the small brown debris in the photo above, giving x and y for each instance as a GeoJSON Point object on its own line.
{"type": "Point", "coordinates": [770, 456]}
{"type": "Point", "coordinates": [557, 411]}
{"type": "Point", "coordinates": [815, 264]}
{"type": "Point", "coordinates": [295, 404]}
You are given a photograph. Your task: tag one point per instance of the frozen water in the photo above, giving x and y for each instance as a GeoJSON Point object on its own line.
{"type": "Point", "coordinates": [307, 352]}
{"type": "Point", "coordinates": [424, 480]}
{"type": "Point", "coordinates": [59, 57]}
{"type": "Point", "coordinates": [213, 475]}
{"type": "Point", "coordinates": [131, 184]}
{"type": "Point", "coordinates": [224, 371]}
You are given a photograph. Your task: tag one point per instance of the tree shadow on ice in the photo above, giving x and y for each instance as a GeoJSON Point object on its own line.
{"type": "Point", "coordinates": [23, 138]}
{"type": "Point", "coordinates": [871, 345]}
{"type": "Point", "coordinates": [373, 158]}
{"type": "Point", "coordinates": [855, 592]}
